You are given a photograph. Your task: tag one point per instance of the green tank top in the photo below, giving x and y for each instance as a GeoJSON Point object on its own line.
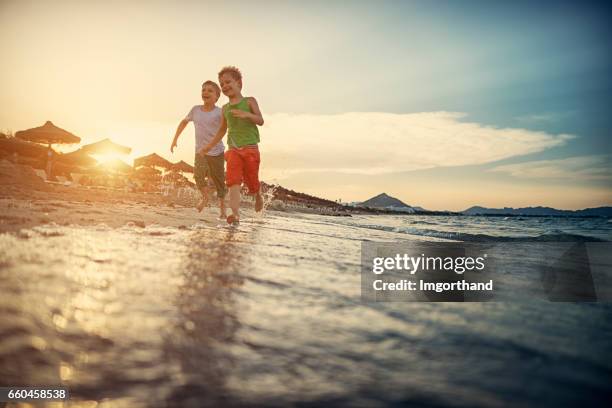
{"type": "Point", "coordinates": [240, 132]}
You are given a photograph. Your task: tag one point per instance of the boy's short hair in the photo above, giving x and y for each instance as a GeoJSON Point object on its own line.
{"type": "Point", "coordinates": [214, 85]}
{"type": "Point", "coordinates": [233, 71]}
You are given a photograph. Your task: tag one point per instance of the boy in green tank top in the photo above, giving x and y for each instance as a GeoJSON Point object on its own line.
{"type": "Point", "coordinates": [241, 116]}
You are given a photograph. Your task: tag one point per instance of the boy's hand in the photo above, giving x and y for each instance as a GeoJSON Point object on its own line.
{"type": "Point", "coordinates": [237, 113]}
{"type": "Point", "coordinates": [203, 150]}
{"type": "Point", "coordinates": [172, 147]}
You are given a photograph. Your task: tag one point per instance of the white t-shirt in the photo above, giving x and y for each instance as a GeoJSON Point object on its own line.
{"type": "Point", "coordinates": [206, 126]}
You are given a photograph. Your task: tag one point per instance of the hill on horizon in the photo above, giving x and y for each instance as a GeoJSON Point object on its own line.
{"type": "Point", "coordinates": [384, 200]}
{"type": "Point", "coordinates": [539, 211]}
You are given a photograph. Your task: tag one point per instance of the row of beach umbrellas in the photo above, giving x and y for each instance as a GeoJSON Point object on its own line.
{"type": "Point", "coordinates": [155, 160]}
{"type": "Point", "coordinates": [50, 134]}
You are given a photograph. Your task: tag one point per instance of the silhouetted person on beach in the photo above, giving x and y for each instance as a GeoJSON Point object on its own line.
{"type": "Point", "coordinates": [49, 157]}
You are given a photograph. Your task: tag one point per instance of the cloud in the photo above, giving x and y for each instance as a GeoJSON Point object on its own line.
{"type": "Point", "coordinates": [379, 143]}
{"type": "Point", "coordinates": [578, 168]}
{"type": "Point", "coordinates": [547, 117]}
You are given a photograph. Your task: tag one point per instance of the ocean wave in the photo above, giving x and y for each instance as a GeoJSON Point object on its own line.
{"type": "Point", "coordinates": [554, 235]}
{"type": "Point", "coordinates": [420, 222]}
{"type": "Point", "coordinates": [460, 236]}
{"type": "Point", "coordinates": [373, 226]}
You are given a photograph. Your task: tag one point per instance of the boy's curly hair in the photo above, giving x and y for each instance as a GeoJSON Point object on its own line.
{"type": "Point", "coordinates": [233, 71]}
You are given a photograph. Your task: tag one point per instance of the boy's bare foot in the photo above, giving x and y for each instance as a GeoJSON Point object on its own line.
{"type": "Point", "coordinates": [233, 220]}
{"type": "Point", "coordinates": [258, 202]}
{"type": "Point", "coordinates": [200, 206]}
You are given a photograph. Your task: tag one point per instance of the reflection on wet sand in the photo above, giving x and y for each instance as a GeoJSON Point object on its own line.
{"type": "Point", "coordinates": [207, 319]}
{"type": "Point", "coordinates": [25, 357]}
{"type": "Point", "coordinates": [113, 322]}
{"type": "Point", "coordinates": [270, 314]}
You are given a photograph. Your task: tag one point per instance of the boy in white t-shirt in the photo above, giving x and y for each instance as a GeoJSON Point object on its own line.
{"type": "Point", "coordinates": [206, 120]}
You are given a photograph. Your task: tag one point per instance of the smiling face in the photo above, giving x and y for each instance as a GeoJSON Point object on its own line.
{"type": "Point", "coordinates": [210, 94]}
{"type": "Point", "coordinates": [229, 85]}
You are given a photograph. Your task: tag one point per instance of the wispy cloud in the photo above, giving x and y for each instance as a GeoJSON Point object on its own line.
{"type": "Point", "coordinates": [578, 168]}
{"type": "Point", "coordinates": [546, 117]}
{"type": "Point", "coordinates": [377, 143]}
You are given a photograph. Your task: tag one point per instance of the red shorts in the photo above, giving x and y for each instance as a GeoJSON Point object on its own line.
{"type": "Point", "coordinates": [243, 165]}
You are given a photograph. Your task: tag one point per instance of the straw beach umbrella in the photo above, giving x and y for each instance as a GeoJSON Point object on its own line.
{"type": "Point", "coordinates": [152, 160]}
{"type": "Point", "coordinates": [77, 158]}
{"type": "Point", "coordinates": [182, 167]}
{"type": "Point", "coordinates": [105, 146]}
{"type": "Point", "coordinates": [47, 134]}
{"type": "Point", "coordinates": [146, 172]}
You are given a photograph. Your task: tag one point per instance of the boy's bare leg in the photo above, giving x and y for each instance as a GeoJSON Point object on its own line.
{"type": "Point", "coordinates": [204, 201]}
{"type": "Point", "coordinates": [234, 200]}
{"type": "Point", "coordinates": [222, 212]}
{"type": "Point", "coordinates": [258, 202]}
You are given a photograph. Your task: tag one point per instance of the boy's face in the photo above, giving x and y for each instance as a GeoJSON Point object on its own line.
{"type": "Point", "coordinates": [229, 85]}
{"type": "Point", "coordinates": [209, 94]}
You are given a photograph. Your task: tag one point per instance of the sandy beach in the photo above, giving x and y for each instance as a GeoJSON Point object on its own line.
{"type": "Point", "coordinates": [27, 201]}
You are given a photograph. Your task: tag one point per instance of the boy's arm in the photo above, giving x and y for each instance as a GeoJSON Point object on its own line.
{"type": "Point", "coordinates": [179, 130]}
{"type": "Point", "coordinates": [254, 116]}
{"type": "Point", "coordinates": [216, 139]}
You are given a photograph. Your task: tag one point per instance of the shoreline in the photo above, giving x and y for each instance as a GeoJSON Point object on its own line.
{"type": "Point", "coordinates": [27, 201]}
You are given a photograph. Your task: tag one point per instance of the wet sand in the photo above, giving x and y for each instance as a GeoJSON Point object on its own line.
{"type": "Point", "coordinates": [114, 299]}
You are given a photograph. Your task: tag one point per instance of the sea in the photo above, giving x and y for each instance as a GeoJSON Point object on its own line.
{"type": "Point", "coordinates": [270, 314]}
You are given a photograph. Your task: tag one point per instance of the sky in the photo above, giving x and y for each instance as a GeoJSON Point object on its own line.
{"type": "Point", "coordinates": [442, 104]}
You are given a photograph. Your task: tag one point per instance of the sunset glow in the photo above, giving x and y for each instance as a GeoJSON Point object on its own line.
{"type": "Point", "coordinates": [373, 111]}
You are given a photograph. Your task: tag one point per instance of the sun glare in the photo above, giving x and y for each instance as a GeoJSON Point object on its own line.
{"type": "Point", "coordinates": [108, 159]}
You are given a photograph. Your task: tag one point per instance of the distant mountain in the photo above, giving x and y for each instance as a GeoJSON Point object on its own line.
{"type": "Point", "coordinates": [540, 211]}
{"type": "Point", "coordinates": [387, 202]}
